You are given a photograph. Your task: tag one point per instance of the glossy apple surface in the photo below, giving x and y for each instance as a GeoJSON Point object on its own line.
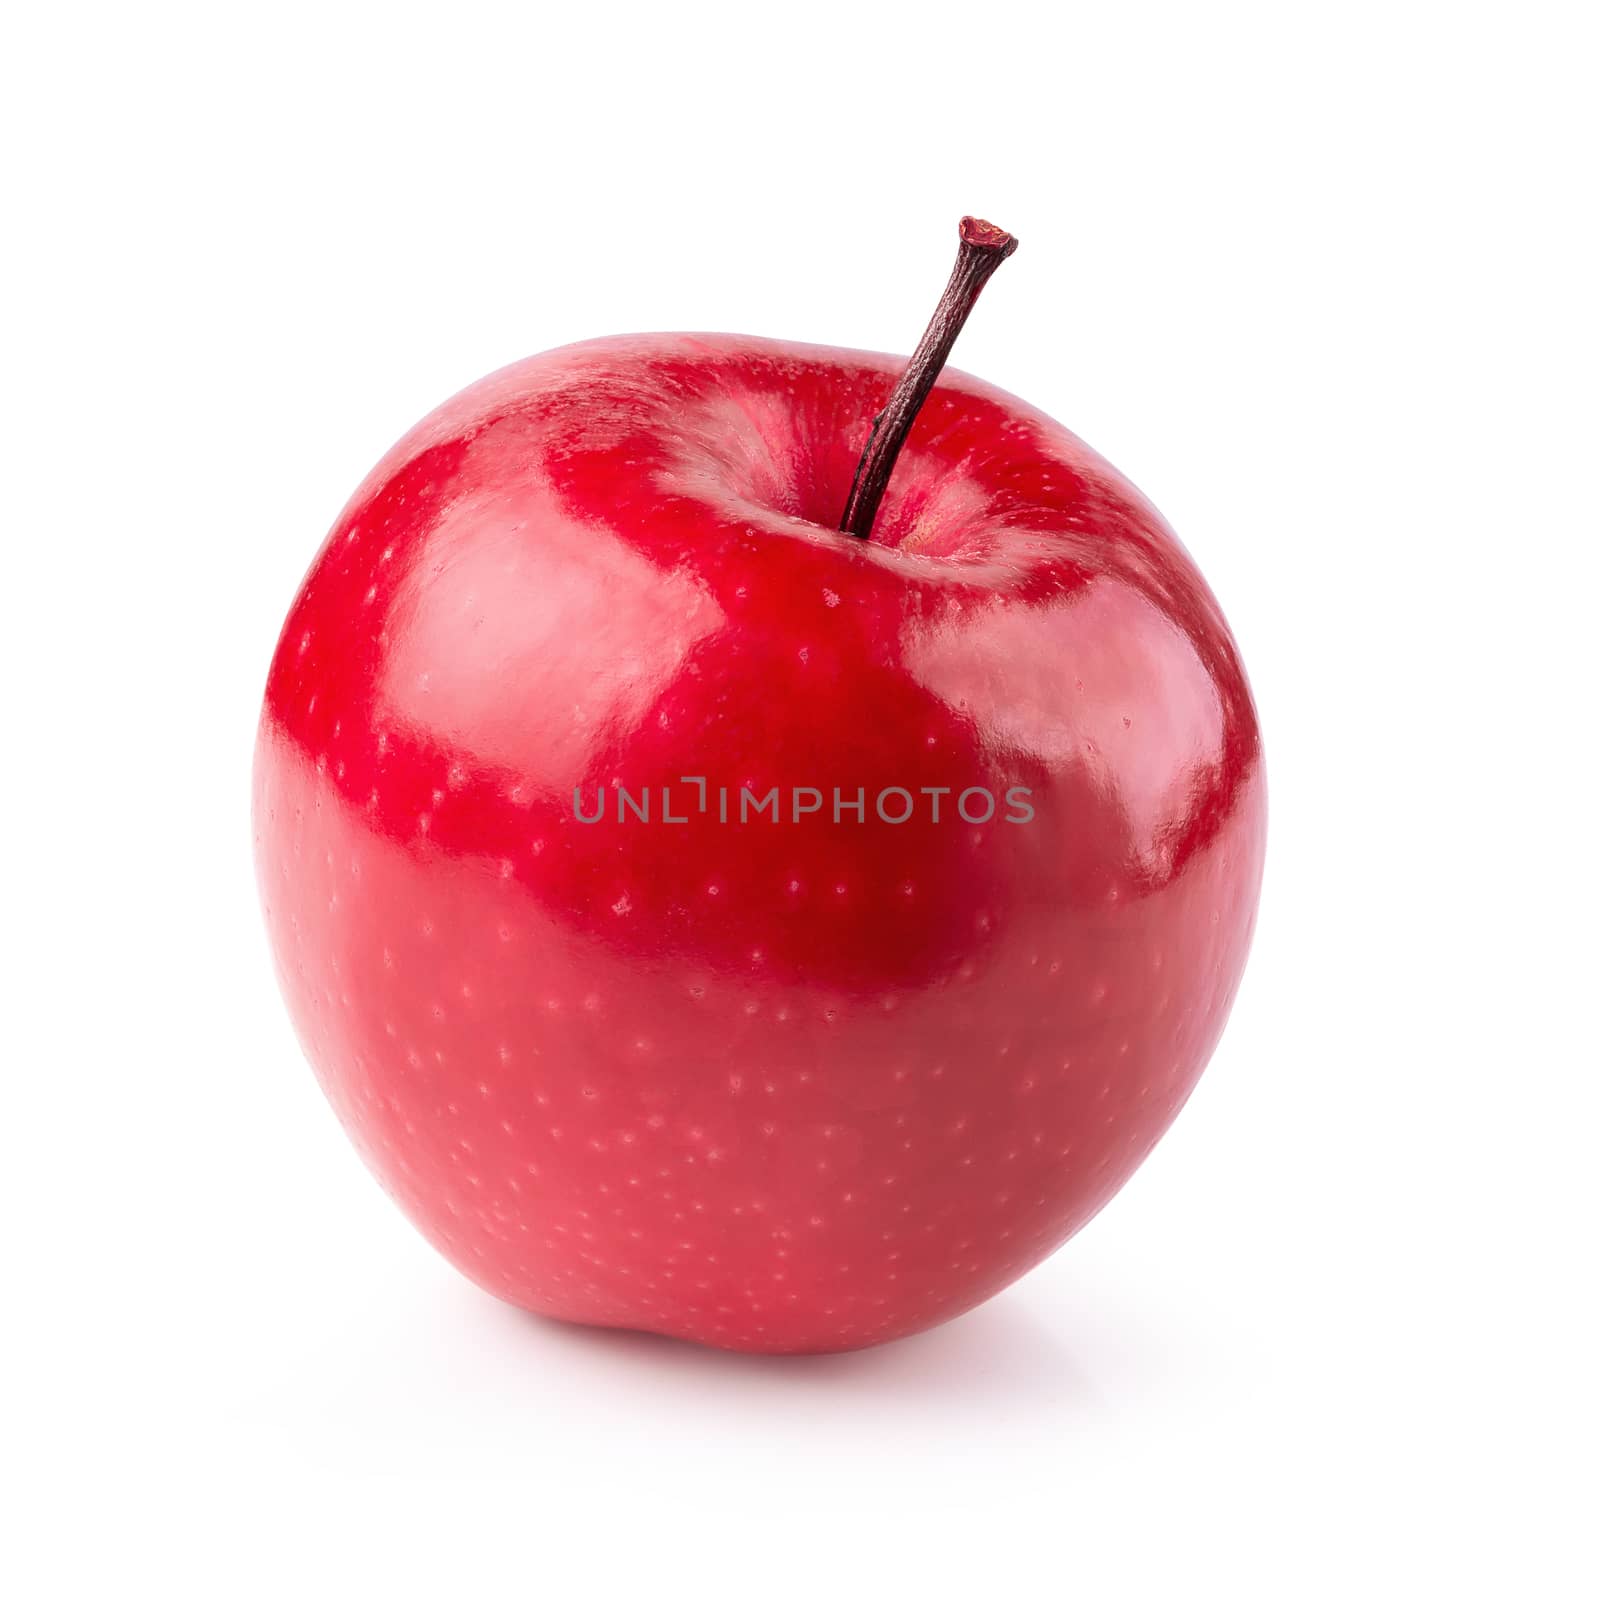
{"type": "Point", "coordinates": [786, 1086]}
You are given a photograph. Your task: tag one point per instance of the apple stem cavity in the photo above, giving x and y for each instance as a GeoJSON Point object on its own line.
{"type": "Point", "coordinates": [983, 248]}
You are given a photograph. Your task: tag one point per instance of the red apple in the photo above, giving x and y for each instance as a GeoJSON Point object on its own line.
{"type": "Point", "coordinates": [785, 1083]}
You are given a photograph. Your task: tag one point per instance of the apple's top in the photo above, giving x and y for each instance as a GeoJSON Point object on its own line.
{"type": "Point", "coordinates": [975, 231]}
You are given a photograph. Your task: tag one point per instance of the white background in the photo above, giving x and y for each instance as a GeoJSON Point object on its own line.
{"type": "Point", "coordinates": [1321, 280]}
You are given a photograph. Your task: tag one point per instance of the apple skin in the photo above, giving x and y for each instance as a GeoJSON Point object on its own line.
{"type": "Point", "coordinates": [772, 1087]}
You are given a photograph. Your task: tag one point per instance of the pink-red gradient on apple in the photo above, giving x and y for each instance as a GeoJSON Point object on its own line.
{"type": "Point", "coordinates": [774, 1086]}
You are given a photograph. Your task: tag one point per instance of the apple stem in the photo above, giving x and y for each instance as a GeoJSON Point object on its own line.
{"type": "Point", "coordinates": [983, 248]}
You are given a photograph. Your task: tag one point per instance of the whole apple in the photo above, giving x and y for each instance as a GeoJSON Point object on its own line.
{"type": "Point", "coordinates": [707, 922]}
